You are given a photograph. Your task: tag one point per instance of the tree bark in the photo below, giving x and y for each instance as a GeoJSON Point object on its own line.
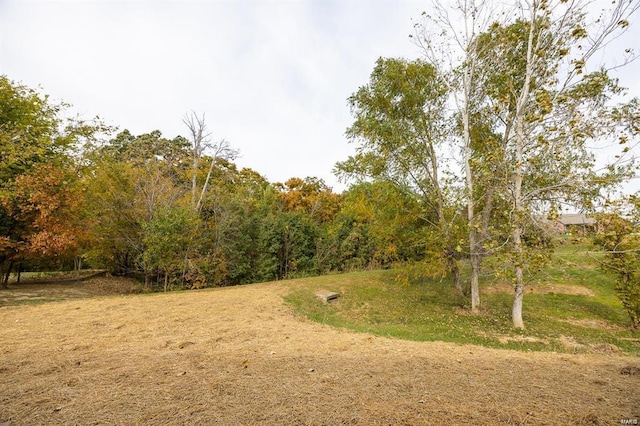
{"type": "Point", "coordinates": [454, 268]}
{"type": "Point", "coordinates": [518, 176]}
{"type": "Point", "coordinates": [7, 273]}
{"type": "Point", "coordinates": [474, 252]}
{"type": "Point", "coordinates": [518, 298]}
{"type": "Point", "coordinates": [476, 260]}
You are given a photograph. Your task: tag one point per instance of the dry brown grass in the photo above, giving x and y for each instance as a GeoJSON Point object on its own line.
{"type": "Point", "coordinates": [239, 356]}
{"type": "Point", "coordinates": [540, 288]}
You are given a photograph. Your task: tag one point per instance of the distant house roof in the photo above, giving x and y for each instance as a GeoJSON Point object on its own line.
{"type": "Point", "coordinates": [576, 219]}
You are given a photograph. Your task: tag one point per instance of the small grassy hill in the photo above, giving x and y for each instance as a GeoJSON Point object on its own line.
{"type": "Point", "coordinates": [570, 306]}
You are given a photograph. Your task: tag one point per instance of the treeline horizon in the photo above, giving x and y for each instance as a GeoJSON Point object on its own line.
{"type": "Point", "coordinates": [178, 212]}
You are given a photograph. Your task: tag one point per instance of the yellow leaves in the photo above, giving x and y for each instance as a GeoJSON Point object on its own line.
{"type": "Point", "coordinates": [579, 32]}
{"type": "Point", "coordinates": [578, 66]}
{"type": "Point", "coordinates": [310, 196]}
{"type": "Point", "coordinates": [545, 103]}
{"type": "Point", "coordinates": [5, 243]}
{"type": "Point", "coordinates": [623, 23]}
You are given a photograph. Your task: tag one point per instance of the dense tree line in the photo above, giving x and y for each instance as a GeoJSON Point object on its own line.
{"type": "Point", "coordinates": [174, 212]}
{"type": "Point", "coordinates": [460, 155]}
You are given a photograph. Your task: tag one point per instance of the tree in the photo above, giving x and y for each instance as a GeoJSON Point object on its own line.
{"type": "Point", "coordinates": [399, 126]}
{"type": "Point", "coordinates": [232, 212]}
{"type": "Point", "coordinates": [310, 196]}
{"type": "Point", "coordinates": [379, 224]}
{"type": "Point", "coordinates": [556, 112]}
{"type": "Point", "coordinates": [133, 180]}
{"type": "Point", "coordinates": [38, 179]}
{"type": "Point", "coordinates": [167, 238]}
{"type": "Point", "coordinates": [287, 245]}
{"type": "Point", "coordinates": [620, 240]}
{"type": "Point", "coordinates": [526, 82]}
{"type": "Point", "coordinates": [448, 37]}
{"type": "Point", "coordinates": [200, 143]}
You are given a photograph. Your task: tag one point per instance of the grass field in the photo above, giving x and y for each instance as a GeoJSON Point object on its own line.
{"type": "Point", "coordinates": [75, 353]}
{"type": "Point", "coordinates": [570, 306]}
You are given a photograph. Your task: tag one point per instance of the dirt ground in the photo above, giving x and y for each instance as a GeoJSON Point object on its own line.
{"type": "Point", "coordinates": [240, 356]}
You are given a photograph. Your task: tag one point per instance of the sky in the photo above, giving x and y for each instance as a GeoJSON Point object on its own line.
{"type": "Point", "coordinates": [272, 77]}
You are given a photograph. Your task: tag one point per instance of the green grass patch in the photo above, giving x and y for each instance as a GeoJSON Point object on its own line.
{"type": "Point", "coordinates": [432, 310]}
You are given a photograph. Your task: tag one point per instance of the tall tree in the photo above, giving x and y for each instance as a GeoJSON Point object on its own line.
{"type": "Point", "coordinates": [200, 143]}
{"type": "Point", "coordinates": [526, 82]}
{"type": "Point", "coordinates": [134, 180]}
{"type": "Point", "coordinates": [399, 127]}
{"type": "Point", "coordinates": [36, 172]}
{"type": "Point", "coordinates": [448, 37]}
{"type": "Point", "coordinates": [559, 107]}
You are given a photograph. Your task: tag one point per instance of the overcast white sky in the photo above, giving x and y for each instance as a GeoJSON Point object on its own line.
{"type": "Point", "coordinates": [272, 76]}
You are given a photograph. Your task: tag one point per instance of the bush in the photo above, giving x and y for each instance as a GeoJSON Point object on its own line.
{"type": "Point", "coordinates": [622, 247]}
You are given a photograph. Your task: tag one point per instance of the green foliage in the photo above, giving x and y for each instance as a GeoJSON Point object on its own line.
{"type": "Point", "coordinates": [399, 127]}
{"type": "Point", "coordinates": [381, 225]}
{"type": "Point", "coordinates": [29, 129]}
{"type": "Point", "coordinates": [398, 123]}
{"type": "Point", "coordinates": [621, 241]}
{"type": "Point", "coordinates": [231, 214]}
{"type": "Point", "coordinates": [167, 239]}
{"type": "Point", "coordinates": [287, 246]}
{"type": "Point", "coordinates": [133, 182]}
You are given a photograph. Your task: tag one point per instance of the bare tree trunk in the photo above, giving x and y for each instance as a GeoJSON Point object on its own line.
{"type": "Point", "coordinates": [520, 140]}
{"type": "Point", "coordinates": [517, 232]}
{"type": "Point", "coordinates": [454, 268]}
{"type": "Point", "coordinates": [518, 297]}
{"type": "Point", "coordinates": [475, 260]}
{"type": "Point", "coordinates": [470, 178]}
{"type": "Point", "coordinates": [517, 238]}
{"type": "Point", "coordinates": [474, 253]}
{"type": "Point", "coordinates": [4, 285]}
{"type": "Point", "coordinates": [199, 138]}
{"type": "Point", "coordinates": [7, 274]}
{"type": "Point", "coordinates": [205, 186]}
{"type": "Point", "coordinates": [2, 271]}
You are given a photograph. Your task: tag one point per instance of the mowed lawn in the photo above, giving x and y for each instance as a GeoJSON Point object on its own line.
{"type": "Point", "coordinates": [245, 355]}
{"type": "Point", "coordinates": [570, 306]}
